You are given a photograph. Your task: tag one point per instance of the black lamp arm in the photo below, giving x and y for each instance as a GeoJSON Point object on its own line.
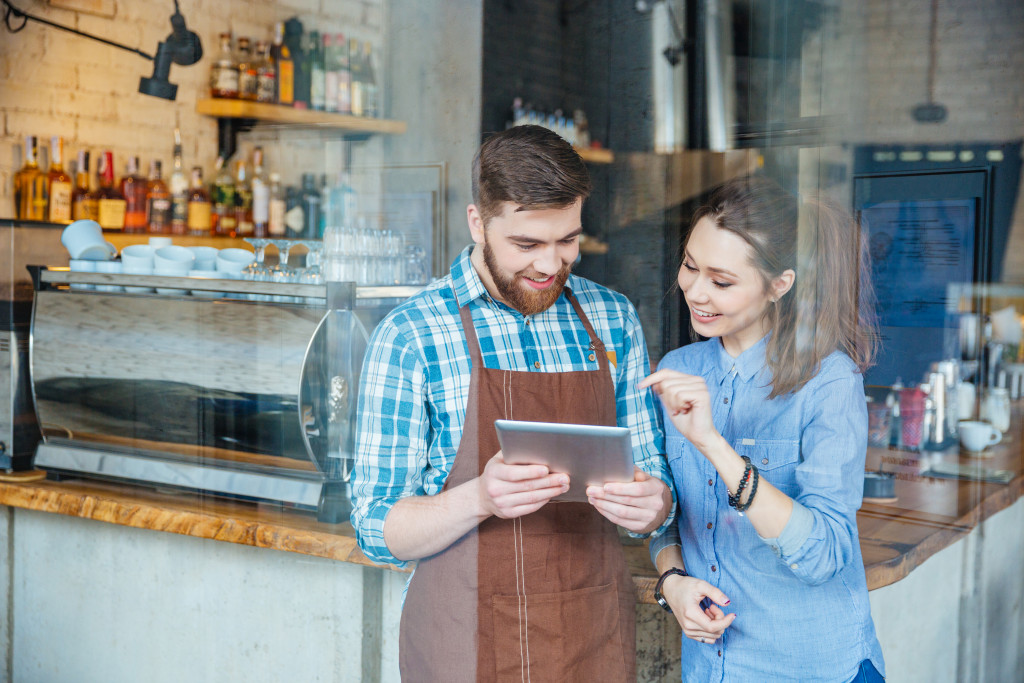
{"type": "Point", "coordinates": [14, 12]}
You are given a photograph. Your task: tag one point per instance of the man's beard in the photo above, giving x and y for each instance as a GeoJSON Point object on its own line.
{"type": "Point", "coordinates": [516, 295]}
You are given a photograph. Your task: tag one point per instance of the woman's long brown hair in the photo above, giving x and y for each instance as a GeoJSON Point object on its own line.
{"type": "Point", "coordinates": [831, 305]}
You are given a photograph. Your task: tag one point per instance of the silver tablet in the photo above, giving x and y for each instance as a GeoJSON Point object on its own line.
{"type": "Point", "coordinates": [589, 454]}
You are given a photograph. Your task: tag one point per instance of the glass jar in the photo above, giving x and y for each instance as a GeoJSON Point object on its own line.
{"type": "Point", "coordinates": [995, 409]}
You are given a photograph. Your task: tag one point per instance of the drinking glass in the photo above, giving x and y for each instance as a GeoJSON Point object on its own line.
{"type": "Point", "coordinates": [257, 271]}
{"type": "Point", "coordinates": [282, 272]}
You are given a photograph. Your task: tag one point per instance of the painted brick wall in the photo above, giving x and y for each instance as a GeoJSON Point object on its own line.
{"type": "Point", "coordinates": [53, 82]}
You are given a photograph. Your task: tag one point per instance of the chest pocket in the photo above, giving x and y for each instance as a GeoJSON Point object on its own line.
{"type": "Point", "coordinates": [775, 459]}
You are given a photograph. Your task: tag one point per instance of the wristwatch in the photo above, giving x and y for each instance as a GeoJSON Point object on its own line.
{"type": "Point", "coordinates": [674, 571]}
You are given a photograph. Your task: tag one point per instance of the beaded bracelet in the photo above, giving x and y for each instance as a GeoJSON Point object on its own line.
{"type": "Point", "coordinates": [741, 507]}
{"type": "Point", "coordinates": [734, 500]}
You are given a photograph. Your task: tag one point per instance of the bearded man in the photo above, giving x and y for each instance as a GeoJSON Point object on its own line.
{"type": "Point", "coordinates": [508, 584]}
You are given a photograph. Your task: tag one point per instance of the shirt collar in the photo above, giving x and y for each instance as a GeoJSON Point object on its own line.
{"type": "Point", "coordinates": [747, 365]}
{"type": "Point", "coordinates": [465, 280]}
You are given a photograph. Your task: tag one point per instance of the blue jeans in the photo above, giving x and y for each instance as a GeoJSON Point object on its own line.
{"type": "Point", "coordinates": [867, 673]}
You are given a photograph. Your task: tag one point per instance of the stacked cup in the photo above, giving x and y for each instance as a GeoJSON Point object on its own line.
{"type": "Point", "coordinates": [137, 259]}
{"type": "Point", "coordinates": [174, 261]}
{"type": "Point", "coordinates": [85, 244]}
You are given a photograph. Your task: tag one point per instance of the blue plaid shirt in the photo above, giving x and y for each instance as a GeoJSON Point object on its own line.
{"type": "Point", "coordinates": [415, 384]}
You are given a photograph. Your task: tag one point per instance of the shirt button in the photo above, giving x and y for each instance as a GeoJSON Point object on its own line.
{"type": "Point", "coordinates": [725, 400]}
{"type": "Point", "coordinates": [710, 525]}
{"type": "Point", "coordinates": [793, 566]}
{"type": "Point", "coordinates": [714, 568]}
{"type": "Point", "coordinates": [527, 321]}
{"type": "Point", "coordinates": [764, 461]}
{"type": "Point", "coordinates": [536, 364]}
{"type": "Point", "coordinates": [592, 358]}
{"type": "Point", "coordinates": [719, 653]}
{"type": "Point", "coordinates": [710, 482]}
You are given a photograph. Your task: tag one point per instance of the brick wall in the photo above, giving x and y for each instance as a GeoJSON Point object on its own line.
{"type": "Point", "coordinates": [53, 82]}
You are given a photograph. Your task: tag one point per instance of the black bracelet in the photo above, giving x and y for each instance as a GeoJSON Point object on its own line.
{"type": "Point", "coordinates": [674, 571]}
{"type": "Point", "coordinates": [734, 500]}
{"type": "Point", "coordinates": [742, 507]}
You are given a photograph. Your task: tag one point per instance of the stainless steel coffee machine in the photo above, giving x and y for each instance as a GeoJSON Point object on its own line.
{"type": "Point", "coordinates": [238, 388]}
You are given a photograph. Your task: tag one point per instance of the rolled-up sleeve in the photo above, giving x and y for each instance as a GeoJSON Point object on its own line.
{"type": "Point", "coordinates": [391, 438]}
{"type": "Point", "coordinates": [637, 410]}
{"type": "Point", "coordinates": [819, 539]}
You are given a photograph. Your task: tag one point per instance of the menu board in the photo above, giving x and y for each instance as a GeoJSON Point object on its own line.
{"type": "Point", "coordinates": [917, 248]}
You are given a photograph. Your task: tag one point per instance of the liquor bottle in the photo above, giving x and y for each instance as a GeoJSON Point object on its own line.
{"type": "Point", "coordinates": [110, 200]}
{"type": "Point", "coordinates": [278, 206]}
{"type": "Point", "coordinates": [371, 93]}
{"type": "Point", "coordinates": [60, 187]}
{"type": "Point", "coordinates": [30, 185]}
{"type": "Point", "coordinates": [179, 190]}
{"type": "Point", "coordinates": [133, 188]}
{"type": "Point", "coordinates": [243, 201]}
{"type": "Point", "coordinates": [158, 201]}
{"type": "Point", "coordinates": [344, 75]}
{"type": "Point", "coordinates": [293, 40]}
{"type": "Point", "coordinates": [224, 73]}
{"type": "Point", "coordinates": [83, 203]}
{"type": "Point", "coordinates": [248, 76]}
{"type": "Point", "coordinates": [223, 200]}
{"type": "Point", "coordinates": [266, 74]}
{"type": "Point", "coordinates": [282, 56]}
{"type": "Point", "coordinates": [331, 67]}
{"type": "Point", "coordinates": [310, 206]}
{"type": "Point", "coordinates": [355, 64]}
{"type": "Point", "coordinates": [198, 205]}
{"type": "Point", "coordinates": [260, 196]}
{"type": "Point", "coordinates": [317, 76]}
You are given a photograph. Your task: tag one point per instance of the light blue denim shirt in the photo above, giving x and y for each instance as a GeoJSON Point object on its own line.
{"type": "Point", "coordinates": [801, 600]}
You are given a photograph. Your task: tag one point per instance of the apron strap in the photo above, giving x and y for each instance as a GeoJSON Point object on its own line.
{"type": "Point", "coordinates": [474, 343]}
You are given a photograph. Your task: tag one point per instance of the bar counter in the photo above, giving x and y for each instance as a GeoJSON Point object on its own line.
{"type": "Point", "coordinates": [929, 514]}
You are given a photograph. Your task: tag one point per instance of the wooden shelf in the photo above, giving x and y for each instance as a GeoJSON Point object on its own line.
{"type": "Point", "coordinates": [277, 114]}
{"type": "Point", "coordinates": [596, 155]}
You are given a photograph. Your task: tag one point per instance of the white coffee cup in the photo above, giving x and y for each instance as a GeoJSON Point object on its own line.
{"type": "Point", "coordinates": [977, 436]}
{"type": "Point", "coordinates": [206, 257]}
{"type": "Point", "coordinates": [160, 242]}
{"type": "Point", "coordinates": [233, 260]}
{"type": "Point", "coordinates": [137, 256]}
{"type": "Point", "coordinates": [82, 266]}
{"type": "Point", "coordinates": [113, 267]}
{"type": "Point", "coordinates": [84, 241]}
{"type": "Point", "coordinates": [174, 261]}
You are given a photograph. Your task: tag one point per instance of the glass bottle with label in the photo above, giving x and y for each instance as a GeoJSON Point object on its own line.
{"type": "Point", "coordinates": [331, 72]}
{"type": "Point", "coordinates": [133, 187]}
{"type": "Point", "coordinates": [30, 185]}
{"type": "Point", "coordinates": [179, 191]}
{"type": "Point", "coordinates": [158, 201]}
{"type": "Point", "coordinates": [224, 73]}
{"type": "Point", "coordinates": [317, 84]}
{"type": "Point", "coordinates": [243, 200]}
{"type": "Point", "coordinates": [60, 187]}
{"type": "Point", "coordinates": [198, 205]}
{"type": "Point", "coordinates": [355, 64]}
{"type": "Point", "coordinates": [223, 199]}
{"type": "Point", "coordinates": [344, 75]}
{"type": "Point", "coordinates": [371, 97]}
{"type": "Point", "coordinates": [83, 203]}
{"type": "Point", "coordinates": [266, 75]}
{"type": "Point", "coordinates": [260, 196]}
{"type": "Point", "coordinates": [285, 66]}
{"type": "Point", "coordinates": [110, 200]}
{"type": "Point", "coordinates": [248, 75]}
{"type": "Point", "coordinates": [278, 207]}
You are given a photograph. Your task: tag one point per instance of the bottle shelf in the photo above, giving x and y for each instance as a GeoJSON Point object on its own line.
{"type": "Point", "coordinates": [278, 114]}
{"type": "Point", "coordinates": [596, 155]}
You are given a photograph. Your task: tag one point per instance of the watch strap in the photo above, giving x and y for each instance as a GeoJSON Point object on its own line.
{"type": "Point", "coordinates": [674, 571]}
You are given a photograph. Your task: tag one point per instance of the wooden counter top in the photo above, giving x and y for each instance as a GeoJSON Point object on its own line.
{"type": "Point", "coordinates": [929, 514]}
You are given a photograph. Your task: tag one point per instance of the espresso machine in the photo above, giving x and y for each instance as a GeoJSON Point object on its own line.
{"type": "Point", "coordinates": [227, 387]}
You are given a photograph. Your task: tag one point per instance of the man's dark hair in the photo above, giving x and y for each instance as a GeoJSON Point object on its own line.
{"type": "Point", "coordinates": [530, 166]}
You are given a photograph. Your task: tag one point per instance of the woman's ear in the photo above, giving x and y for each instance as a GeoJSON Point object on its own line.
{"type": "Point", "coordinates": [782, 284]}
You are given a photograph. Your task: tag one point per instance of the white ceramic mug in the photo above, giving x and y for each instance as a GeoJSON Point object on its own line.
{"type": "Point", "coordinates": [160, 242]}
{"type": "Point", "coordinates": [84, 241]}
{"type": "Point", "coordinates": [206, 257]}
{"type": "Point", "coordinates": [977, 436]}
{"type": "Point", "coordinates": [233, 260]}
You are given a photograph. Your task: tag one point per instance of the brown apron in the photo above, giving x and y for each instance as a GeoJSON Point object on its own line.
{"type": "Point", "coordinates": [545, 597]}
